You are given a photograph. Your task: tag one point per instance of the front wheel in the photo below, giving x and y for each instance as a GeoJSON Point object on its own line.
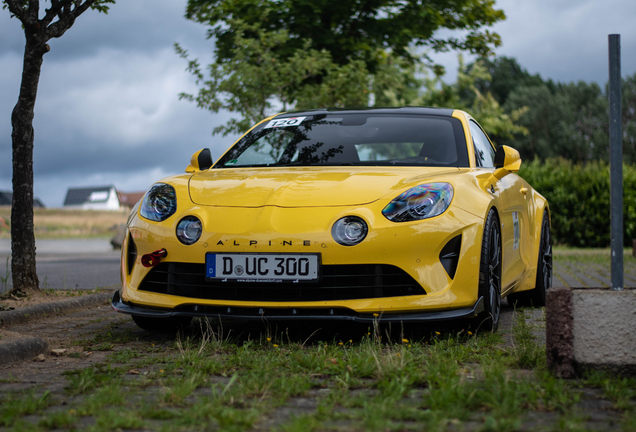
{"type": "Point", "coordinates": [490, 274]}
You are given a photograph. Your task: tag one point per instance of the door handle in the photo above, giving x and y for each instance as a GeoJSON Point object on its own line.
{"type": "Point", "coordinates": [523, 190]}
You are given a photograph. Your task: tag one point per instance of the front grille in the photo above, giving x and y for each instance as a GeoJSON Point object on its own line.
{"type": "Point", "coordinates": [338, 282]}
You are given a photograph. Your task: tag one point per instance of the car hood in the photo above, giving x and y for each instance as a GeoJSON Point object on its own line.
{"type": "Point", "coordinates": [306, 186]}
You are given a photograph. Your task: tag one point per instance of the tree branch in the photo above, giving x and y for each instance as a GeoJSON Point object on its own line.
{"type": "Point", "coordinates": [67, 15]}
{"type": "Point", "coordinates": [15, 7]}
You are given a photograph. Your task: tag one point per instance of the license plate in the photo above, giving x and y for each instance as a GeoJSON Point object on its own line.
{"type": "Point", "coordinates": [262, 267]}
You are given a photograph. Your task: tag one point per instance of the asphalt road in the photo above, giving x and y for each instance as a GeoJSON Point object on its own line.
{"type": "Point", "coordinates": [70, 263]}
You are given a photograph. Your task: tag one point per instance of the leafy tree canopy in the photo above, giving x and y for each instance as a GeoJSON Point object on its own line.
{"type": "Point", "coordinates": [504, 75]}
{"type": "Point", "coordinates": [352, 30]}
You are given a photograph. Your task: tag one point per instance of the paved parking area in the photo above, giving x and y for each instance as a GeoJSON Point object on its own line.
{"type": "Point", "coordinates": [110, 333]}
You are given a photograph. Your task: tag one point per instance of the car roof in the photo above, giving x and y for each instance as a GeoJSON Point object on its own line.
{"type": "Point", "coordinates": [446, 112]}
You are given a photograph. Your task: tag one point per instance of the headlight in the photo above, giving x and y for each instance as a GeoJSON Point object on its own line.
{"type": "Point", "coordinates": [159, 203]}
{"type": "Point", "coordinates": [349, 231]}
{"type": "Point", "coordinates": [189, 230]}
{"type": "Point", "coordinates": [421, 202]}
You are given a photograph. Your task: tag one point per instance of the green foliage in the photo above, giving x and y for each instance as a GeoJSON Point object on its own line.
{"type": "Point", "coordinates": [274, 56]}
{"type": "Point", "coordinates": [255, 82]}
{"type": "Point", "coordinates": [570, 121]}
{"type": "Point", "coordinates": [464, 94]}
{"type": "Point", "coordinates": [579, 198]}
{"type": "Point", "coordinates": [504, 76]}
{"type": "Point", "coordinates": [563, 120]}
{"type": "Point", "coordinates": [351, 31]}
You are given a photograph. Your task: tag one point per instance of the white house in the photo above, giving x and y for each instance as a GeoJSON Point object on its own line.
{"type": "Point", "coordinates": [94, 198]}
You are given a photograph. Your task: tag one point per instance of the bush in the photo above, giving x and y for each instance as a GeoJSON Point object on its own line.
{"type": "Point", "coordinates": [579, 198]}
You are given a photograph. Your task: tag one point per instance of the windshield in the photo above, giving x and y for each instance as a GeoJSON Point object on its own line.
{"type": "Point", "coordinates": [351, 139]}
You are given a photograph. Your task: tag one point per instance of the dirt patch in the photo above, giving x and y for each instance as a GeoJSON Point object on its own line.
{"type": "Point", "coordinates": [11, 301]}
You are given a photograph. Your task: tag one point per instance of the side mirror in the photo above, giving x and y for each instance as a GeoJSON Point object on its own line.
{"type": "Point", "coordinates": [507, 160]}
{"type": "Point", "coordinates": [200, 161]}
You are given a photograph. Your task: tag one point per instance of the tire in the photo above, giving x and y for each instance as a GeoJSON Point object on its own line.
{"type": "Point", "coordinates": [490, 274]}
{"type": "Point", "coordinates": [536, 296]}
{"type": "Point", "coordinates": [160, 324]}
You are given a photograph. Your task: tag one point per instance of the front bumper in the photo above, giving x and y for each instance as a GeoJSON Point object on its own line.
{"type": "Point", "coordinates": [293, 314]}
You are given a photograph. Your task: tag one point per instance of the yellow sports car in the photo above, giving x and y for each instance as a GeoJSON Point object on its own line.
{"type": "Point", "coordinates": [392, 214]}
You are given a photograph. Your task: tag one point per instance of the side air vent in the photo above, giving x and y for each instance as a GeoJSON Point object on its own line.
{"type": "Point", "coordinates": [131, 255]}
{"type": "Point", "coordinates": [449, 256]}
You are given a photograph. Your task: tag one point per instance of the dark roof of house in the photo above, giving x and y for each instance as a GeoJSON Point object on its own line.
{"type": "Point", "coordinates": [6, 199]}
{"type": "Point", "coordinates": [75, 196]}
{"type": "Point", "coordinates": [129, 199]}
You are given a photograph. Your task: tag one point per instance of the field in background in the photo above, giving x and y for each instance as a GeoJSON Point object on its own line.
{"type": "Point", "coordinates": [61, 223]}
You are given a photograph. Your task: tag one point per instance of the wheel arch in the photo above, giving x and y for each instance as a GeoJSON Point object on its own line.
{"type": "Point", "coordinates": [542, 207]}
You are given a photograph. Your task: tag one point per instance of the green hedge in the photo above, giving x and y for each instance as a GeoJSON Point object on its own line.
{"type": "Point", "coordinates": [579, 200]}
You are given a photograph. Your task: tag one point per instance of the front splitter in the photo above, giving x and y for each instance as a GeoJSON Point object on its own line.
{"type": "Point", "coordinates": [293, 314]}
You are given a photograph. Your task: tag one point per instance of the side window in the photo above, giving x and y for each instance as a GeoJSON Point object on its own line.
{"type": "Point", "coordinates": [484, 152]}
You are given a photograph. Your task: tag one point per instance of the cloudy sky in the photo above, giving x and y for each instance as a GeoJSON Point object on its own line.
{"type": "Point", "coordinates": [108, 110]}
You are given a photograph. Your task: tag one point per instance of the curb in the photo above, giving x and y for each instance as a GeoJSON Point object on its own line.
{"type": "Point", "coordinates": [30, 313]}
{"type": "Point", "coordinates": [22, 349]}
{"type": "Point", "coordinates": [26, 348]}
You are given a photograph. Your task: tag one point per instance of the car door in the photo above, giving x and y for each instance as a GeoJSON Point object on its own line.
{"type": "Point", "coordinates": [512, 193]}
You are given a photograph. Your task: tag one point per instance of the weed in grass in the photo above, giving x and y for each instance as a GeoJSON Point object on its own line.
{"type": "Point", "coordinates": [59, 420]}
{"type": "Point", "coordinates": [447, 393]}
{"type": "Point", "coordinates": [500, 424]}
{"type": "Point", "coordinates": [12, 407]}
{"type": "Point", "coordinates": [232, 419]}
{"type": "Point", "coordinates": [527, 353]}
{"type": "Point", "coordinates": [504, 396]}
{"type": "Point", "coordinates": [620, 390]}
{"type": "Point", "coordinates": [104, 346]}
{"type": "Point", "coordinates": [108, 395]}
{"type": "Point", "coordinates": [181, 387]}
{"type": "Point", "coordinates": [83, 380]}
{"type": "Point", "coordinates": [117, 419]}
{"type": "Point", "coordinates": [123, 356]}
{"type": "Point", "coordinates": [302, 423]}
{"type": "Point", "coordinates": [114, 337]}
{"type": "Point", "coordinates": [553, 394]}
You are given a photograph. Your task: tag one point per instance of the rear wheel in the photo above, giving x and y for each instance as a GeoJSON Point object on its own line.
{"type": "Point", "coordinates": [490, 274]}
{"type": "Point", "coordinates": [161, 324]}
{"type": "Point", "coordinates": [536, 297]}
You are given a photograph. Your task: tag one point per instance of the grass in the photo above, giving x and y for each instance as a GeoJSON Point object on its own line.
{"type": "Point", "coordinates": [204, 379]}
{"type": "Point", "coordinates": [590, 255]}
{"type": "Point", "coordinates": [61, 223]}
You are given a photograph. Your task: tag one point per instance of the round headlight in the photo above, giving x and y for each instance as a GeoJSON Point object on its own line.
{"type": "Point", "coordinates": [159, 203]}
{"type": "Point", "coordinates": [189, 230]}
{"type": "Point", "coordinates": [349, 231]}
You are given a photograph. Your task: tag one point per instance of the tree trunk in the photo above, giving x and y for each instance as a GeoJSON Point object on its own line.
{"type": "Point", "coordinates": [23, 267]}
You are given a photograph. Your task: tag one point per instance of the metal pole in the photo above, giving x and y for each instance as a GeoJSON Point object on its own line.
{"type": "Point", "coordinates": [616, 160]}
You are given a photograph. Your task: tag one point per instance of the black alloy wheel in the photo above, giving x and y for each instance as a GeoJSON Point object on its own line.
{"type": "Point", "coordinates": [490, 274]}
{"type": "Point", "coordinates": [536, 297]}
